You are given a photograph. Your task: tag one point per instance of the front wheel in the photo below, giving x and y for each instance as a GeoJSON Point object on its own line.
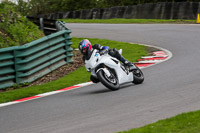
{"type": "Point", "coordinates": [138, 76]}
{"type": "Point", "coordinates": [110, 82]}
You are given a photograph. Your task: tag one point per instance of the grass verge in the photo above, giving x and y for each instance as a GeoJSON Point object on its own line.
{"type": "Point", "coordinates": [131, 52]}
{"type": "Point", "coordinates": [183, 123]}
{"type": "Point", "coordinates": [130, 21]}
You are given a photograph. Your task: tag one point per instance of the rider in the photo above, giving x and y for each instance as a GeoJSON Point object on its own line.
{"type": "Point", "coordinates": [86, 49]}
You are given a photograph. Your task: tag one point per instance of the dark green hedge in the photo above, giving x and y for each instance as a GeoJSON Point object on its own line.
{"type": "Point", "coordinates": [16, 29]}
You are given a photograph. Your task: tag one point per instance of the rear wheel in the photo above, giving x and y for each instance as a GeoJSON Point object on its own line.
{"type": "Point", "coordinates": [138, 76]}
{"type": "Point", "coordinates": [110, 82]}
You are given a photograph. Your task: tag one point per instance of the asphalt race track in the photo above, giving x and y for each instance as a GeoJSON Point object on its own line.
{"type": "Point", "coordinates": [170, 88]}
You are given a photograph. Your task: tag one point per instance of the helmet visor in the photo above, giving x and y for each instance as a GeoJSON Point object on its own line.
{"type": "Point", "coordinates": [84, 50]}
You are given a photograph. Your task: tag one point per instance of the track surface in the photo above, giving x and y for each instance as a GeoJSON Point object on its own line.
{"type": "Point", "coordinates": [170, 88]}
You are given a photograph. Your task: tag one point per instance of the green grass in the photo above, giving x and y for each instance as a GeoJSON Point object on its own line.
{"type": "Point", "coordinates": [183, 123]}
{"type": "Point", "coordinates": [130, 51]}
{"type": "Point", "coordinates": [129, 21]}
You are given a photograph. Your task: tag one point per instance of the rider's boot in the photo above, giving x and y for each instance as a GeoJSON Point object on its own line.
{"type": "Point", "coordinates": [130, 65]}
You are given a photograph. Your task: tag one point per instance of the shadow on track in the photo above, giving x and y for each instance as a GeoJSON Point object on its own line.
{"type": "Point", "coordinates": [106, 90]}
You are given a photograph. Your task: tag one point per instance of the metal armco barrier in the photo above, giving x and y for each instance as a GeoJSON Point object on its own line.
{"type": "Point", "coordinates": [60, 25]}
{"type": "Point", "coordinates": [48, 26]}
{"type": "Point", "coordinates": [26, 63]}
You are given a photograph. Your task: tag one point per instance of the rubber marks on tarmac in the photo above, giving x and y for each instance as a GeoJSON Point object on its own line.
{"type": "Point", "coordinates": [146, 61]}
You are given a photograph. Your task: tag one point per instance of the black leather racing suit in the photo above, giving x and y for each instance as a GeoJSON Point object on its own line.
{"type": "Point", "coordinates": [112, 52]}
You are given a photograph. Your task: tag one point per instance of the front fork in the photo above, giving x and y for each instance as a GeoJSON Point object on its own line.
{"type": "Point", "coordinates": [106, 71]}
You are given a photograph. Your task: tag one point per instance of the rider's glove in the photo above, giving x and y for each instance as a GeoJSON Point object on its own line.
{"type": "Point", "coordinates": [97, 46]}
{"type": "Point", "coordinates": [103, 51]}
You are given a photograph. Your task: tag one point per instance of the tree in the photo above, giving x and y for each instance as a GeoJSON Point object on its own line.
{"type": "Point", "coordinates": [34, 7]}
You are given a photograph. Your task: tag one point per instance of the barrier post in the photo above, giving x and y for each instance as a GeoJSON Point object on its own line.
{"type": "Point", "coordinates": [42, 24]}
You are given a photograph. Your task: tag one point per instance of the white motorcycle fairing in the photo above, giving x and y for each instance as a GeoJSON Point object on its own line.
{"type": "Point", "coordinates": [102, 62]}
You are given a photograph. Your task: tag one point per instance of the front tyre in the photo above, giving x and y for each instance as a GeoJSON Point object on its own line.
{"type": "Point", "coordinates": [93, 79]}
{"type": "Point", "coordinates": [110, 82]}
{"type": "Point", "coordinates": [138, 76]}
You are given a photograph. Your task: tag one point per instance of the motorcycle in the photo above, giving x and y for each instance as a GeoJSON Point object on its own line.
{"type": "Point", "coordinates": [110, 71]}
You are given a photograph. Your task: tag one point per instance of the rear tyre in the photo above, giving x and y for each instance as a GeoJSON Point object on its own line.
{"type": "Point", "coordinates": [138, 76]}
{"type": "Point", "coordinates": [110, 82]}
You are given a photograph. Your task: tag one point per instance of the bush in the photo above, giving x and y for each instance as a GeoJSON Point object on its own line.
{"type": "Point", "coordinates": [15, 29]}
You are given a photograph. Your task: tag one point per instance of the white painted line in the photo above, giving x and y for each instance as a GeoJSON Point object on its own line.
{"type": "Point", "coordinates": [144, 57]}
{"type": "Point", "coordinates": [48, 93]}
{"type": "Point", "coordinates": [141, 67]}
{"type": "Point", "coordinates": [84, 84]}
{"type": "Point", "coordinates": [150, 61]}
{"type": "Point", "coordinates": [8, 103]}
